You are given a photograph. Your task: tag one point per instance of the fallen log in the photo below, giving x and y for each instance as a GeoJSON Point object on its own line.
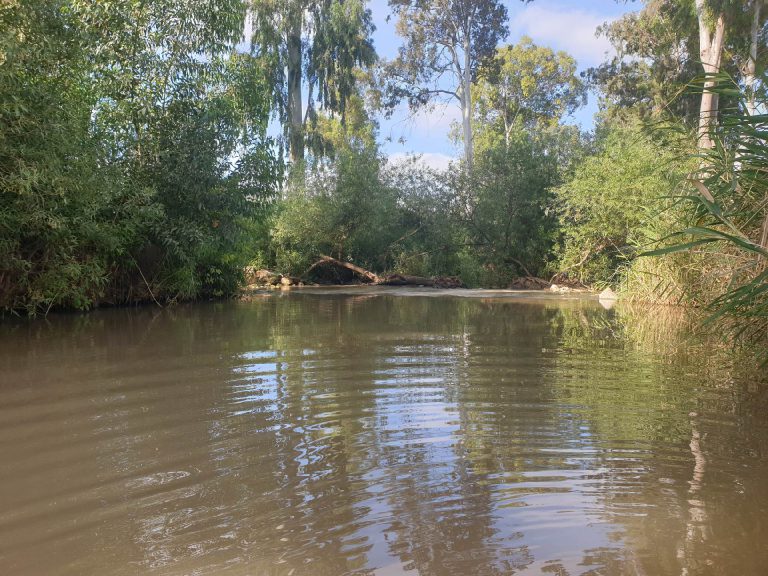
{"type": "Point", "coordinates": [435, 282]}
{"type": "Point", "coordinates": [391, 279]}
{"type": "Point", "coordinates": [406, 280]}
{"type": "Point", "coordinates": [529, 283]}
{"type": "Point", "coordinates": [348, 265]}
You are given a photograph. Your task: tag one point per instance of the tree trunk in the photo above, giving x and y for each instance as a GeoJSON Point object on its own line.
{"type": "Point", "coordinates": [295, 117]}
{"type": "Point", "coordinates": [390, 280]}
{"type": "Point", "coordinates": [711, 52]}
{"type": "Point", "coordinates": [749, 71]}
{"type": "Point", "coordinates": [466, 107]}
{"type": "Point", "coordinates": [696, 530]}
{"type": "Point", "coordinates": [348, 265]}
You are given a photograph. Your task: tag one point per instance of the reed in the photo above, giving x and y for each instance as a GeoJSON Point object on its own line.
{"type": "Point", "coordinates": [724, 238]}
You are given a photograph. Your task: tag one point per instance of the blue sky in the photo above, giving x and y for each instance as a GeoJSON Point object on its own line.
{"type": "Point", "coordinates": [567, 25]}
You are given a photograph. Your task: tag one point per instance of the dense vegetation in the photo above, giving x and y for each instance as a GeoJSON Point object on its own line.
{"type": "Point", "coordinates": [136, 162]}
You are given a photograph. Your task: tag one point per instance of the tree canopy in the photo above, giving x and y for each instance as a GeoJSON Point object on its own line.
{"type": "Point", "coordinates": [312, 48]}
{"type": "Point", "coordinates": [526, 85]}
{"type": "Point", "coordinates": [444, 39]}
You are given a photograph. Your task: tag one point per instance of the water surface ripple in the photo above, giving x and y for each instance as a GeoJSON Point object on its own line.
{"type": "Point", "coordinates": [365, 433]}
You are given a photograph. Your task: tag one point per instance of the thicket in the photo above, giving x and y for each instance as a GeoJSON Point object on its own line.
{"type": "Point", "coordinates": [716, 253]}
{"type": "Point", "coordinates": [618, 201]}
{"type": "Point", "coordinates": [488, 226]}
{"type": "Point", "coordinates": [133, 153]}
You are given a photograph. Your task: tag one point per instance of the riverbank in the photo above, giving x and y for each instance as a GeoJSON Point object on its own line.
{"type": "Point", "coordinates": [367, 289]}
{"type": "Point", "coordinates": [355, 280]}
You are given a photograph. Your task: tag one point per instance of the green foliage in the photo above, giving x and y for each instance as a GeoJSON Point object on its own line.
{"type": "Point", "coordinates": [526, 85]}
{"type": "Point", "coordinates": [657, 56]}
{"type": "Point", "coordinates": [504, 207]}
{"type": "Point", "coordinates": [332, 134]}
{"type": "Point", "coordinates": [428, 239]}
{"type": "Point", "coordinates": [207, 200]}
{"type": "Point", "coordinates": [612, 199]}
{"type": "Point", "coordinates": [133, 156]}
{"type": "Point", "coordinates": [724, 231]}
{"type": "Point", "coordinates": [344, 211]}
{"type": "Point", "coordinates": [381, 216]}
{"type": "Point", "coordinates": [652, 63]}
{"type": "Point", "coordinates": [49, 175]}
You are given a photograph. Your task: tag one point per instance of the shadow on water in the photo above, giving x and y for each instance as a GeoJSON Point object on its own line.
{"type": "Point", "coordinates": [374, 434]}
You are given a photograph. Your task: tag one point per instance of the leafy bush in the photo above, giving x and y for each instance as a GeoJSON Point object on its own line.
{"type": "Point", "coordinates": [344, 211]}
{"type": "Point", "coordinates": [128, 170]}
{"type": "Point", "coordinates": [52, 245]}
{"type": "Point", "coordinates": [614, 203]}
{"type": "Point", "coordinates": [503, 207]}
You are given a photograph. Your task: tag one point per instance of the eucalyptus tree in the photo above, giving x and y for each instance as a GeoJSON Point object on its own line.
{"type": "Point", "coordinates": [712, 26]}
{"type": "Point", "coordinates": [444, 39]}
{"type": "Point", "coordinates": [729, 34]}
{"type": "Point", "coordinates": [663, 47]}
{"type": "Point", "coordinates": [750, 67]}
{"type": "Point", "coordinates": [654, 59]}
{"type": "Point", "coordinates": [526, 86]}
{"type": "Point", "coordinates": [313, 47]}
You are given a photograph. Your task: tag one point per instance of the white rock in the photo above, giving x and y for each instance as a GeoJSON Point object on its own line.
{"type": "Point", "coordinates": [608, 294]}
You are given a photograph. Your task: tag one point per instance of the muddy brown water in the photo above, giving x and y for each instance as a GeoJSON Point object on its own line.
{"type": "Point", "coordinates": [376, 432]}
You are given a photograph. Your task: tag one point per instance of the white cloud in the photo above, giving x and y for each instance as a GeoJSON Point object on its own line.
{"type": "Point", "coordinates": [427, 129]}
{"type": "Point", "coordinates": [561, 28]}
{"type": "Point", "coordinates": [437, 117]}
{"type": "Point", "coordinates": [433, 160]}
{"type": "Point", "coordinates": [434, 120]}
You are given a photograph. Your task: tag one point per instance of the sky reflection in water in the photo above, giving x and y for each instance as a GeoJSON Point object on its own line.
{"type": "Point", "coordinates": [359, 433]}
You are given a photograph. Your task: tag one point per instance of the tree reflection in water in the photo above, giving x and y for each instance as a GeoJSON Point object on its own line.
{"type": "Point", "coordinates": [374, 434]}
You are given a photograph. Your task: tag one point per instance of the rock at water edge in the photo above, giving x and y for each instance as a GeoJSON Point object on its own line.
{"type": "Point", "coordinates": [608, 294]}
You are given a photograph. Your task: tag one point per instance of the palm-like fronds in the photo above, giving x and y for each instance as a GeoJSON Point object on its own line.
{"type": "Point", "coordinates": [728, 220]}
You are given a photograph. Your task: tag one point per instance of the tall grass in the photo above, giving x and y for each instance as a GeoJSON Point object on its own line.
{"type": "Point", "coordinates": [725, 234]}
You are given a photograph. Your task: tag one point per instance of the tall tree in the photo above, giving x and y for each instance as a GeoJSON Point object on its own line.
{"type": "Point", "coordinates": [655, 58]}
{"type": "Point", "coordinates": [711, 42]}
{"type": "Point", "coordinates": [311, 47]}
{"type": "Point", "coordinates": [757, 18]}
{"type": "Point", "coordinates": [526, 85]}
{"type": "Point", "coordinates": [661, 48]}
{"type": "Point", "coordinates": [444, 38]}
{"type": "Point", "coordinates": [729, 36]}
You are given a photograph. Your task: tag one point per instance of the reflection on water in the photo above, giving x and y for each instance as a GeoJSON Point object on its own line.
{"type": "Point", "coordinates": [329, 434]}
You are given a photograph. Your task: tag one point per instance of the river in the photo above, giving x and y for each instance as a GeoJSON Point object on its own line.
{"type": "Point", "coordinates": [378, 432]}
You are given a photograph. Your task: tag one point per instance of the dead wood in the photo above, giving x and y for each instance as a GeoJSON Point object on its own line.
{"type": "Point", "coordinates": [348, 265]}
{"type": "Point", "coordinates": [391, 279]}
{"type": "Point", "coordinates": [529, 283]}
